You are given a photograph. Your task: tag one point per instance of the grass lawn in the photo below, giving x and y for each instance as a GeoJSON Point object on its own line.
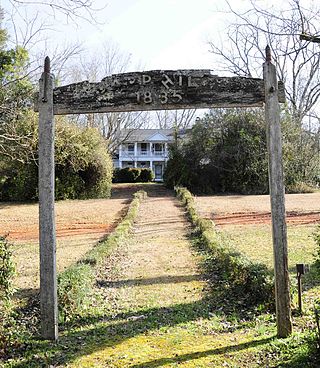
{"type": "Point", "coordinates": [256, 242]}
{"type": "Point", "coordinates": [254, 237]}
{"type": "Point", "coordinates": [149, 308]}
{"type": "Point", "coordinates": [80, 225]}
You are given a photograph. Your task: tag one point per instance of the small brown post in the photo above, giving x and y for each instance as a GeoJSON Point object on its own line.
{"type": "Point", "coordinates": [276, 187]}
{"type": "Point", "coordinates": [299, 292]}
{"type": "Point", "coordinates": [47, 233]}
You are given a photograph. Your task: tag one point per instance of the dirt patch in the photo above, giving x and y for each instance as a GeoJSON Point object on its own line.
{"type": "Point", "coordinates": [80, 225]}
{"type": "Point", "coordinates": [294, 218]}
{"type": "Point", "coordinates": [254, 209]}
{"type": "Point", "coordinates": [73, 218]}
{"type": "Point", "coordinates": [65, 232]}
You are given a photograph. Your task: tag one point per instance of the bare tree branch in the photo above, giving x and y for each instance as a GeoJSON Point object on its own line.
{"type": "Point", "coordinates": [280, 26]}
{"type": "Point", "coordinates": [72, 10]}
{"type": "Point", "coordinates": [93, 67]}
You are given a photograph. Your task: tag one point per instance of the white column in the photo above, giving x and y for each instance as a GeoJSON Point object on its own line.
{"type": "Point", "coordinates": [120, 156]}
{"type": "Point", "coordinates": [135, 154]}
{"type": "Point", "coordinates": [135, 149]}
{"type": "Point", "coordinates": [151, 145]}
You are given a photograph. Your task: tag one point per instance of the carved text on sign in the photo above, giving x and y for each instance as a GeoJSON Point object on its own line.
{"type": "Point", "coordinates": [164, 97]}
{"type": "Point", "coordinates": [167, 81]}
{"type": "Point", "coordinates": [160, 90]}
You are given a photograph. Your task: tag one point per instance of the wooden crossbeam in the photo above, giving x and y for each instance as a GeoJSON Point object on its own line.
{"type": "Point", "coordinates": [160, 90]}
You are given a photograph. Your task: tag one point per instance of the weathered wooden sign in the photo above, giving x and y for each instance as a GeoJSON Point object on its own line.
{"type": "Point", "coordinates": [160, 90]}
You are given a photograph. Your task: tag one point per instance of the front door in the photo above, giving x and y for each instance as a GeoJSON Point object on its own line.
{"type": "Point", "coordinates": [158, 171]}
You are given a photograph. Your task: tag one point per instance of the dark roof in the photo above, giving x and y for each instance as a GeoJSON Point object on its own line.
{"type": "Point", "coordinates": [140, 135]}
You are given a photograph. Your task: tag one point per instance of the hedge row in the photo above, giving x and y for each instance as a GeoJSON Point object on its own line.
{"type": "Point", "coordinates": [76, 282]}
{"type": "Point", "coordinates": [132, 175]}
{"type": "Point", "coordinates": [7, 271]}
{"type": "Point", "coordinates": [233, 275]}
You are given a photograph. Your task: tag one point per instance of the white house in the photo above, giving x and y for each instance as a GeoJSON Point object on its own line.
{"type": "Point", "coordinates": [145, 148]}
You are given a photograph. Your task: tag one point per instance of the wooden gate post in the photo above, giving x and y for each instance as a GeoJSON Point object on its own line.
{"type": "Point", "coordinates": [47, 234]}
{"type": "Point", "coordinates": [276, 187]}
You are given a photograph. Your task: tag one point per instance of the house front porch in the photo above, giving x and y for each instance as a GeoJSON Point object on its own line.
{"type": "Point", "coordinates": [157, 167]}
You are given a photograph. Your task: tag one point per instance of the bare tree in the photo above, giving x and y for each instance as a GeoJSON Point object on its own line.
{"type": "Point", "coordinates": [62, 57]}
{"type": "Point", "coordinates": [72, 10]}
{"type": "Point", "coordinates": [180, 119]}
{"type": "Point", "coordinates": [297, 60]}
{"type": "Point", "coordinates": [33, 25]}
{"type": "Point", "coordinates": [108, 60]}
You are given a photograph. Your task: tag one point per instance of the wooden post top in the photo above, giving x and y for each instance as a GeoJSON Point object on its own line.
{"type": "Point", "coordinates": [268, 54]}
{"type": "Point", "coordinates": [47, 65]}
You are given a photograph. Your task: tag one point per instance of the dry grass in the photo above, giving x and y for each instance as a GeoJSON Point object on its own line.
{"type": "Point", "coordinates": [256, 242]}
{"type": "Point", "coordinates": [255, 239]}
{"type": "Point", "coordinates": [154, 313]}
{"type": "Point", "coordinates": [80, 224]}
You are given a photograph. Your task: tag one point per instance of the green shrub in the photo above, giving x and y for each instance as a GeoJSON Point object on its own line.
{"type": "Point", "coordinates": [19, 181]}
{"type": "Point", "coordinates": [132, 175]}
{"type": "Point", "coordinates": [76, 283]}
{"type": "Point", "coordinates": [83, 168]}
{"type": "Point", "coordinates": [9, 334]}
{"type": "Point", "coordinates": [234, 276]}
{"type": "Point", "coordinates": [225, 151]}
{"type": "Point", "coordinates": [126, 175]}
{"type": "Point", "coordinates": [299, 187]}
{"type": "Point", "coordinates": [74, 286]}
{"type": "Point", "coordinates": [146, 175]}
{"type": "Point", "coordinates": [83, 165]}
{"type": "Point", "coordinates": [7, 271]}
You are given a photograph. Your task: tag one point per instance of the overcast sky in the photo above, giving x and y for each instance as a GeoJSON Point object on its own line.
{"type": "Point", "coordinates": [166, 34]}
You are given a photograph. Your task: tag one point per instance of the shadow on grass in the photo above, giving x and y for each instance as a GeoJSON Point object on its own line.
{"type": "Point", "coordinates": [310, 358]}
{"type": "Point", "coordinates": [201, 354]}
{"type": "Point", "coordinates": [27, 293]}
{"type": "Point", "coordinates": [90, 334]}
{"type": "Point", "coordinates": [150, 281]}
{"type": "Point", "coordinates": [239, 288]}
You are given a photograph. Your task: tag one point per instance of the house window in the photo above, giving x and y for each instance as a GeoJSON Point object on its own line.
{"type": "Point", "coordinates": [131, 148]}
{"type": "Point", "coordinates": [158, 148]}
{"type": "Point", "coordinates": [143, 148]}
